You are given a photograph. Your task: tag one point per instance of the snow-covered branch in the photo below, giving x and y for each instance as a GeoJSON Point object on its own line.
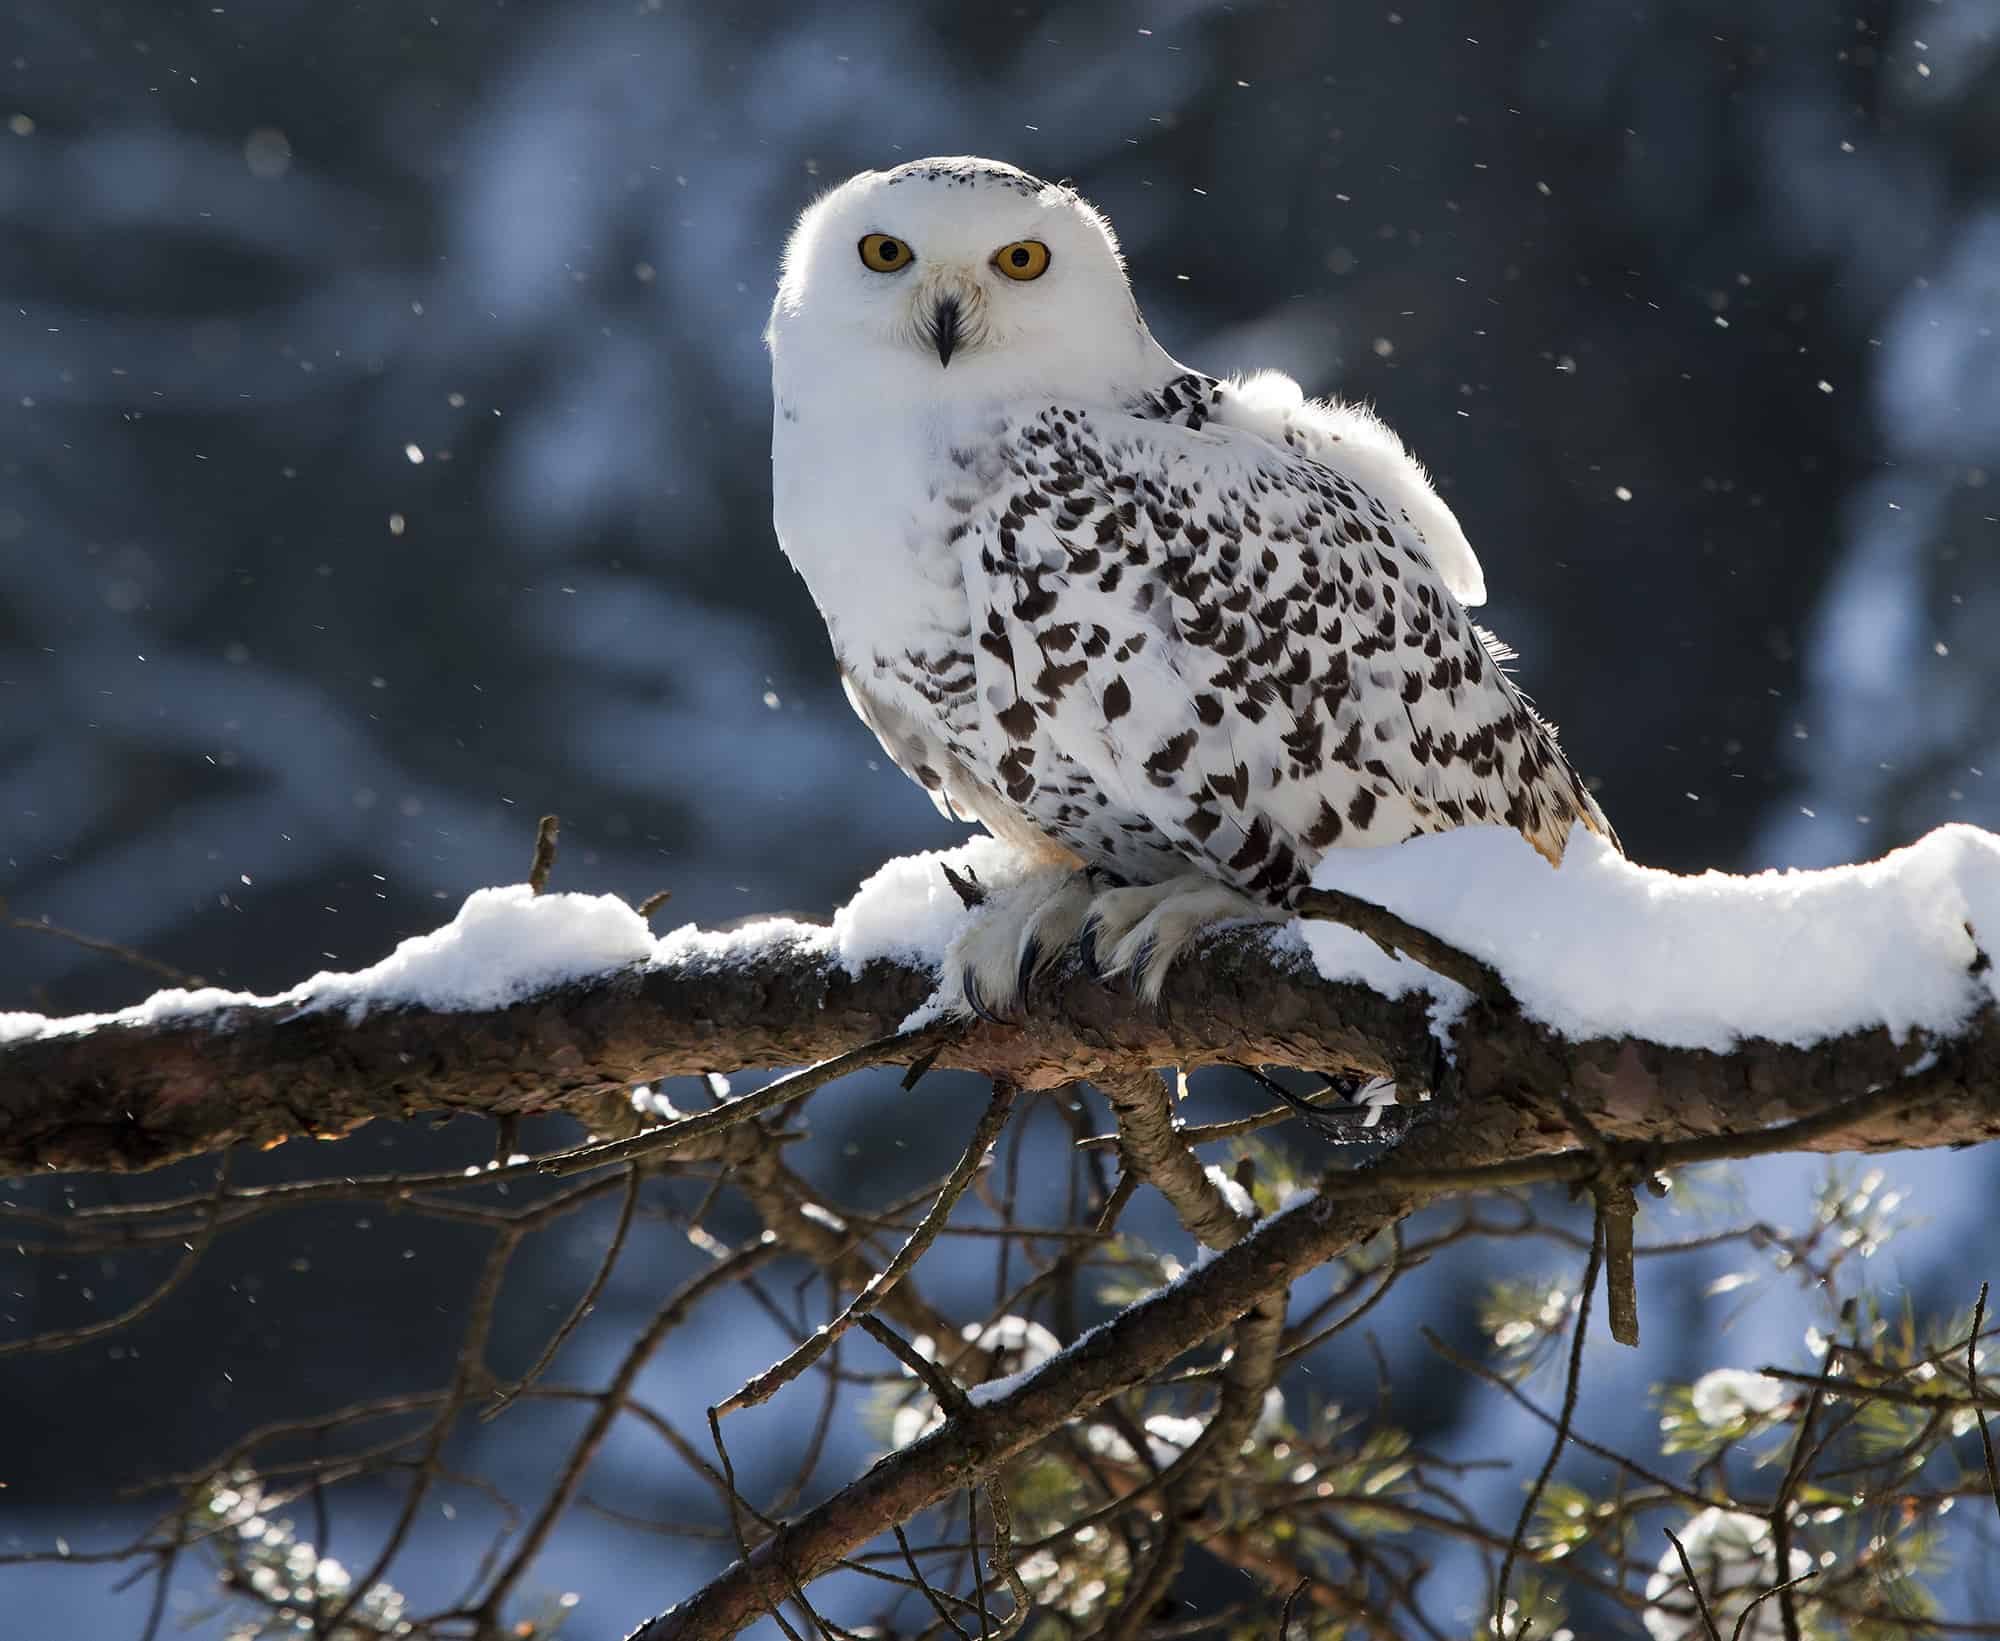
{"type": "Point", "coordinates": [1666, 1007]}
{"type": "Point", "coordinates": [1597, 1024]}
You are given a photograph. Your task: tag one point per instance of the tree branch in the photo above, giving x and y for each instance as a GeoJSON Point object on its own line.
{"type": "Point", "coordinates": [126, 1097]}
{"type": "Point", "coordinates": [1118, 1356]}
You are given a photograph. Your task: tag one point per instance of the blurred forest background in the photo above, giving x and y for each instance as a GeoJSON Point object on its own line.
{"type": "Point", "coordinates": [383, 462]}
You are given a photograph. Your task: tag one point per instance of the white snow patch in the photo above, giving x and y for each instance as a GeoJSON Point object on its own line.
{"type": "Point", "coordinates": [1006, 1336]}
{"type": "Point", "coordinates": [1233, 1194]}
{"type": "Point", "coordinates": [908, 912]}
{"type": "Point", "coordinates": [1601, 947]}
{"type": "Point", "coordinates": [994, 1389]}
{"type": "Point", "coordinates": [690, 947]}
{"type": "Point", "coordinates": [504, 945]}
{"type": "Point", "coordinates": [161, 1009]}
{"type": "Point", "coordinates": [507, 944]}
{"type": "Point", "coordinates": [1605, 948]}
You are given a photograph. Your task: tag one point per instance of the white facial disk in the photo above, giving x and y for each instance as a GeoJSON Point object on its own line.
{"type": "Point", "coordinates": [957, 278]}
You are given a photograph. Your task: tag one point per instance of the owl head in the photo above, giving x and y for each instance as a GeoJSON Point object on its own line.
{"type": "Point", "coordinates": [958, 277]}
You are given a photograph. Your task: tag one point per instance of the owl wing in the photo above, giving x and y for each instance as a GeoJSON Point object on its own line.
{"type": "Point", "coordinates": [1191, 642]}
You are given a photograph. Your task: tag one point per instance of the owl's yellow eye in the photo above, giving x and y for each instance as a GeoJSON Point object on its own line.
{"type": "Point", "coordinates": [1025, 259]}
{"type": "Point", "coordinates": [884, 253]}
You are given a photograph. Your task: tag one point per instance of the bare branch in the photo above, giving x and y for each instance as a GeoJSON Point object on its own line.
{"type": "Point", "coordinates": [544, 862]}
{"type": "Point", "coordinates": [668, 1317]}
{"type": "Point", "coordinates": [767, 1383]}
{"type": "Point", "coordinates": [1125, 1352]}
{"type": "Point", "coordinates": [1155, 1151]}
{"type": "Point", "coordinates": [105, 948]}
{"type": "Point", "coordinates": [1972, 1385]}
{"type": "Point", "coordinates": [1571, 1383]}
{"type": "Point", "coordinates": [1400, 939]}
{"type": "Point", "coordinates": [583, 1306]}
{"type": "Point", "coordinates": [1522, 1106]}
{"type": "Point", "coordinates": [1694, 1584]}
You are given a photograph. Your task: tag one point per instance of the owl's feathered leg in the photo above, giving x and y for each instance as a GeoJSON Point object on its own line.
{"type": "Point", "coordinates": [1015, 936]}
{"type": "Point", "coordinates": [1142, 931]}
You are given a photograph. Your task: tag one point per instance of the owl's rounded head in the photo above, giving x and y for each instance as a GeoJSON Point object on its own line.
{"type": "Point", "coordinates": [959, 276]}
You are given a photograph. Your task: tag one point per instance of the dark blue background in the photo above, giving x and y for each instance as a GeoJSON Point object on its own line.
{"type": "Point", "coordinates": [1739, 260]}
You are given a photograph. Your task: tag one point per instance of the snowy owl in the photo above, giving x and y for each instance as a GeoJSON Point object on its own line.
{"type": "Point", "coordinates": [1170, 636]}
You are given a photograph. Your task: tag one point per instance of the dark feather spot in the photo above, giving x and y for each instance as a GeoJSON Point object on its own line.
{"type": "Point", "coordinates": [1018, 720]}
{"type": "Point", "coordinates": [1170, 758]}
{"type": "Point", "coordinates": [1256, 842]}
{"type": "Point", "coordinates": [1053, 679]}
{"type": "Point", "coordinates": [1325, 829]}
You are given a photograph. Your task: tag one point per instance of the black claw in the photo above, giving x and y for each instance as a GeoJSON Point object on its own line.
{"type": "Point", "coordinates": [1086, 944]}
{"type": "Point", "coordinates": [1140, 962]}
{"type": "Point", "coordinates": [1031, 957]}
{"type": "Point", "coordinates": [977, 1003]}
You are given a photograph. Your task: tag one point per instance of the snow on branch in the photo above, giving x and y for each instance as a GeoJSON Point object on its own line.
{"type": "Point", "coordinates": [1667, 1007]}
{"type": "Point", "coordinates": [1595, 1025]}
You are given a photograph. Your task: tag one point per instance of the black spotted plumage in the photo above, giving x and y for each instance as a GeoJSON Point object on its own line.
{"type": "Point", "coordinates": [1188, 645]}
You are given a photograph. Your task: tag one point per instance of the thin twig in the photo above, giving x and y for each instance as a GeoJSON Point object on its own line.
{"type": "Point", "coordinates": [1783, 1592]}
{"type": "Point", "coordinates": [720, 1274]}
{"type": "Point", "coordinates": [1001, 1557]}
{"type": "Point", "coordinates": [1346, 1184]}
{"type": "Point", "coordinates": [829, 1404]}
{"type": "Point", "coordinates": [1694, 1584]}
{"type": "Point", "coordinates": [1694, 1499]}
{"type": "Point", "coordinates": [736, 1501]}
{"type": "Point", "coordinates": [1399, 939]}
{"type": "Point", "coordinates": [1860, 1390]}
{"type": "Point", "coordinates": [1781, 1506]}
{"type": "Point", "coordinates": [1392, 1267]}
{"type": "Point", "coordinates": [683, 1131]}
{"type": "Point", "coordinates": [107, 948]}
{"type": "Point", "coordinates": [767, 1383]}
{"type": "Point", "coordinates": [1972, 1384]}
{"type": "Point", "coordinates": [950, 1395]}
{"type": "Point", "coordinates": [544, 862]}
{"type": "Point", "coordinates": [1285, 1617]}
{"type": "Point", "coordinates": [1570, 1387]}
{"type": "Point", "coordinates": [65, 1338]}
{"type": "Point", "coordinates": [1618, 1208]}
{"type": "Point", "coordinates": [583, 1307]}
{"type": "Point", "coordinates": [1150, 1587]}
{"type": "Point", "coordinates": [972, 1555]}
{"type": "Point", "coordinates": [929, 1590]}
{"type": "Point", "coordinates": [470, 1370]}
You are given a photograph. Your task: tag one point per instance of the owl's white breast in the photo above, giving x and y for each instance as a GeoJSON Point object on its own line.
{"type": "Point", "coordinates": [858, 504]}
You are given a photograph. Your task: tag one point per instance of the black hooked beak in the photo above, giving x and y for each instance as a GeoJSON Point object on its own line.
{"type": "Point", "coordinates": [944, 328]}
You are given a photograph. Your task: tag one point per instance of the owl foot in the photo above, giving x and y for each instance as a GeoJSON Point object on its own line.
{"type": "Point", "coordinates": [1017, 934]}
{"type": "Point", "coordinates": [1143, 930]}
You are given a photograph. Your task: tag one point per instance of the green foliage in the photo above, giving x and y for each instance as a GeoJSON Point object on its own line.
{"type": "Point", "coordinates": [1521, 1318]}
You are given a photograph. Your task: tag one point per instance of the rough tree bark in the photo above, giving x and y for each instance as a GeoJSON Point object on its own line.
{"type": "Point", "coordinates": [1515, 1103]}
{"type": "Point", "coordinates": [134, 1097]}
